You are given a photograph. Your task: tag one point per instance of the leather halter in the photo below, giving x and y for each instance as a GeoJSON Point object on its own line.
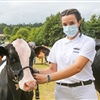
{"type": "Point", "coordinates": [14, 75]}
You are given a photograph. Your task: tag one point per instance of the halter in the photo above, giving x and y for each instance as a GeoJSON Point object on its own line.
{"type": "Point", "coordinates": [14, 75]}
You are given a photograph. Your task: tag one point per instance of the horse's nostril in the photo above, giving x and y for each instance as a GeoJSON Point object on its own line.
{"type": "Point", "coordinates": [29, 86]}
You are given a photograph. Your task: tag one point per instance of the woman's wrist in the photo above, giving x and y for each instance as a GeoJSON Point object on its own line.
{"type": "Point", "coordinates": [48, 78]}
{"type": "Point", "coordinates": [37, 71]}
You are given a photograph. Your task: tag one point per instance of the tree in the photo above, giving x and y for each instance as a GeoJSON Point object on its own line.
{"type": "Point", "coordinates": [51, 30]}
{"type": "Point", "coordinates": [15, 29]}
{"type": "Point", "coordinates": [31, 34]}
{"type": "Point", "coordinates": [94, 27]}
{"type": "Point", "coordinates": [7, 32]}
{"type": "Point", "coordinates": [21, 33]}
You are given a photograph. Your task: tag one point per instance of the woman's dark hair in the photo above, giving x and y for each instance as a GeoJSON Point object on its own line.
{"type": "Point", "coordinates": [72, 11]}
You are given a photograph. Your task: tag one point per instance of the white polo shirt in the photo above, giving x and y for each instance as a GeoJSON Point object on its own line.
{"type": "Point", "coordinates": [64, 53]}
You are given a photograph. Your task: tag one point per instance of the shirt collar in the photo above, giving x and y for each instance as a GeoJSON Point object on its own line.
{"type": "Point", "coordinates": [76, 39]}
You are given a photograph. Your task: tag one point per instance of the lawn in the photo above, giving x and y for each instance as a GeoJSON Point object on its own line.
{"type": "Point", "coordinates": [47, 90]}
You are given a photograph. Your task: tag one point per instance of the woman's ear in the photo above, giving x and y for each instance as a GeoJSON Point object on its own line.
{"type": "Point", "coordinates": [79, 23]}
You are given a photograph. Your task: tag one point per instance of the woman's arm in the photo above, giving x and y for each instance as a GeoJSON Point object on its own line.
{"type": "Point", "coordinates": [75, 68]}
{"type": "Point", "coordinates": [51, 69]}
{"type": "Point", "coordinates": [79, 64]}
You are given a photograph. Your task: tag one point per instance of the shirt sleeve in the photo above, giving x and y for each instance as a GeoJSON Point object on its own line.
{"type": "Point", "coordinates": [52, 56]}
{"type": "Point", "coordinates": [88, 49]}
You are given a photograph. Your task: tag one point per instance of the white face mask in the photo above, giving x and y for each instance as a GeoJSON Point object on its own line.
{"type": "Point", "coordinates": [71, 30]}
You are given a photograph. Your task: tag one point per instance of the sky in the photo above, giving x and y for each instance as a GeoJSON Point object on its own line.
{"type": "Point", "coordinates": [34, 11]}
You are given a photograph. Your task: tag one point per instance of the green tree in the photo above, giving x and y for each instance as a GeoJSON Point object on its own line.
{"type": "Point", "coordinates": [30, 36]}
{"type": "Point", "coordinates": [94, 26]}
{"type": "Point", "coordinates": [21, 33]}
{"type": "Point", "coordinates": [15, 29]}
{"type": "Point", "coordinates": [84, 26]}
{"type": "Point", "coordinates": [52, 30]}
{"type": "Point", "coordinates": [28, 27]}
{"type": "Point", "coordinates": [7, 32]}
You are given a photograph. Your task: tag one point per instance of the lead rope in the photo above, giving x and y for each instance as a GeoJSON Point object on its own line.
{"type": "Point", "coordinates": [12, 75]}
{"type": "Point", "coordinates": [37, 94]}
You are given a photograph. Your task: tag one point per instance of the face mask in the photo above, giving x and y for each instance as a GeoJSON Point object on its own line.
{"type": "Point", "coordinates": [70, 31]}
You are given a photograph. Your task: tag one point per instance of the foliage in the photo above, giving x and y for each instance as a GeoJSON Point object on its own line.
{"type": "Point", "coordinates": [7, 32]}
{"type": "Point", "coordinates": [15, 29]}
{"type": "Point", "coordinates": [48, 32]}
{"type": "Point", "coordinates": [51, 30]}
{"type": "Point", "coordinates": [93, 26]}
{"type": "Point", "coordinates": [33, 36]}
{"type": "Point", "coordinates": [21, 33]}
{"type": "Point", "coordinates": [46, 90]}
{"type": "Point", "coordinates": [2, 26]}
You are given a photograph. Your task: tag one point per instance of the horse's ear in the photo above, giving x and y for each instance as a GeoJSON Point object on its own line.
{"type": "Point", "coordinates": [3, 51]}
{"type": "Point", "coordinates": [97, 47]}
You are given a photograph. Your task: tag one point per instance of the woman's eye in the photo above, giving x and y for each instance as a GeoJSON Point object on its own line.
{"type": "Point", "coordinates": [64, 24]}
{"type": "Point", "coordinates": [72, 23]}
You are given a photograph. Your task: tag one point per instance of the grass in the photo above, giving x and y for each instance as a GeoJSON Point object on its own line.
{"type": "Point", "coordinates": [98, 96]}
{"type": "Point", "coordinates": [47, 90]}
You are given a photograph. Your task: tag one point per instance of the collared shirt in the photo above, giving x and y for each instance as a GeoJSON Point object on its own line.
{"type": "Point", "coordinates": [64, 53]}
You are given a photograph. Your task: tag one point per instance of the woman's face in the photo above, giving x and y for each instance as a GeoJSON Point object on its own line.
{"type": "Point", "coordinates": [70, 20]}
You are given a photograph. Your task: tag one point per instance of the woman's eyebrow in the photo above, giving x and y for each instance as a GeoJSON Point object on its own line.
{"type": "Point", "coordinates": [72, 22]}
{"type": "Point", "coordinates": [64, 24]}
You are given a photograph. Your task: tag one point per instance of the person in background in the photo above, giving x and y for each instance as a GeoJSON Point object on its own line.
{"type": "Point", "coordinates": [41, 54]}
{"type": "Point", "coordinates": [0, 58]}
{"type": "Point", "coordinates": [71, 59]}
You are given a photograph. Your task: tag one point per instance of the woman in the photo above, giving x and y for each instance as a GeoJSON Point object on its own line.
{"type": "Point", "coordinates": [71, 58]}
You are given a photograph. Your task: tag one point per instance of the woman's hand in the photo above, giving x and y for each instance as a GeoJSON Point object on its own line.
{"type": "Point", "coordinates": [40, 78]}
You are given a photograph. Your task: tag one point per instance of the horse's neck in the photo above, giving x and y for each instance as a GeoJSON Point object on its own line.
{"type": "Point", "coordinates": [2, 65]}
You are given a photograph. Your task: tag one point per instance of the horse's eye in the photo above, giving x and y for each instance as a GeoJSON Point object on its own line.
{"type": "Point", "coordinates": [13, 59]}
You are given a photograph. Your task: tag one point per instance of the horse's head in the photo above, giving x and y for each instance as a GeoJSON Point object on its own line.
{"type": "Point", "coordinates": [19, 64]}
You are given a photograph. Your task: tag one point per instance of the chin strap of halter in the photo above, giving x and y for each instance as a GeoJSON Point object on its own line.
{"type": "Point", "coordinates": [14, 75]}
{"type": "Point", "coordinates": [37, 94]}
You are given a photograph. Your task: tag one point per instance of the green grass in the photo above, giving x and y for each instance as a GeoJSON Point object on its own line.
{"type": "Point", "coordinates": [47, 90]}
{"type": "Point", "coordinates": [98, 96]}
